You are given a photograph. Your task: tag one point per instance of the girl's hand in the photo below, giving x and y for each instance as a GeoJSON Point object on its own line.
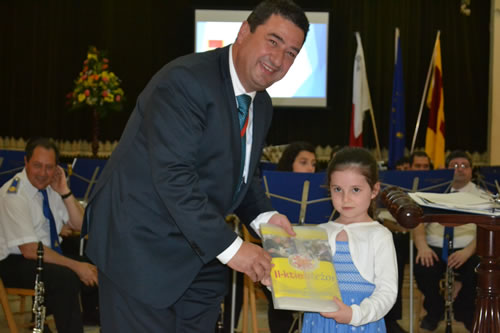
{"type": "Point", "coordinates": [342, 316]}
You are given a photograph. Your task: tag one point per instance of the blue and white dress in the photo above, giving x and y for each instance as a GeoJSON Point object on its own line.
{"type": "Point", "coordinates": [353, 288]}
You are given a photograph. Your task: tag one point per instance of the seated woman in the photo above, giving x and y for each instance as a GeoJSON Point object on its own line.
{"type": "Point", "coordinates": [297, 157]}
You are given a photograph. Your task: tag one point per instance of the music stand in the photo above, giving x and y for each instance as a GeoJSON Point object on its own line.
{"type": "Point", "coordinates": [302, 197]}
{"type": "Point", "coordinates": [411, 181]}
{"type": "Point", "coordinates": [487, 313]}
{"type": "Point", "coordinates": [423, 181]}
{"type": "Point", "coordinates": [84, 176]}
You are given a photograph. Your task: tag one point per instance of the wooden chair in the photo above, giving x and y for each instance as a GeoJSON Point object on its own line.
{"type": "Point", "coordinates": [250, 294]}
{"type": "Point", "coordinates": [9, 314]}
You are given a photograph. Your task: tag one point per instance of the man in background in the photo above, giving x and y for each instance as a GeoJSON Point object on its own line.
{"type": "Point", "coordinates": [419, 160]}
{"type": "Point", "coordinates": [34, 206]}
{"type": "Point", "coordinates": [430, 264]}
{"type": "Point", "coordinates": [403, 163]}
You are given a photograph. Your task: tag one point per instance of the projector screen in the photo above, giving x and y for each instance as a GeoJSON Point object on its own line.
{"type": "Point", "coordinates": [305, 83]}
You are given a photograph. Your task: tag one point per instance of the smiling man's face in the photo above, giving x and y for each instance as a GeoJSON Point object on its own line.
{"type": "Point", "coordinates": [264, 56]}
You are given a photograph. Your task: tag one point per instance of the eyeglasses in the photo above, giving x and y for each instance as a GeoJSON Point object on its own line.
{"type": "Point", "coordinates": [461, 166]}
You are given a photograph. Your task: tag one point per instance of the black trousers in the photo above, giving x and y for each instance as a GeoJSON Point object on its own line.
{"type": "Point", "coordinates": [196, 311]}
{"type": "Point", "coordinates": [62, 289]}
{"type": "Point", "coordinates": [226, 315]}
{"type": "Point", "coordinates": [402, 246]}
{"type": "Point", "coordinates": [428, 283]}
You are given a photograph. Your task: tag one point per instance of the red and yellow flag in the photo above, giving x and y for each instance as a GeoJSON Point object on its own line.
{"type": "Point", "coordinates": [434, 139]}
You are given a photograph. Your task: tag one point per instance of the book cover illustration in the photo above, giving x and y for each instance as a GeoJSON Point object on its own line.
{"type": "Point", "coordinates": [303, 276]}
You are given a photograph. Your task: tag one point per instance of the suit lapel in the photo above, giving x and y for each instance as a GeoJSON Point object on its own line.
{"type": "Point", "coordinates": [232, 108]}
{"type": "Point", "coordinates": [258, 129]}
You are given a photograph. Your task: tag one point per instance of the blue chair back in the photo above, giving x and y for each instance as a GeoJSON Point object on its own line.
{"type": "Point", "coordinates": [489, 178]}
{"type": "Point", "coordinates": [11, 162]}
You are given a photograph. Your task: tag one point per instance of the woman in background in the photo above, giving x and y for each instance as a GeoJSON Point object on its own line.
{"type": "Point", "coordinates": [298, 156]}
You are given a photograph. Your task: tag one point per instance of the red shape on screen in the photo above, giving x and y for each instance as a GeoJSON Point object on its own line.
{"type": "Point", "coordinates": [214, 44]}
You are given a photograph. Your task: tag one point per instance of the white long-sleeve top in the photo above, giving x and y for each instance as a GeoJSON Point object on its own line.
{"type": "Point", "coordinates": [372, 250]}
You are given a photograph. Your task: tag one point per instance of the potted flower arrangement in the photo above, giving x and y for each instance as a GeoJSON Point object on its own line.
{"type": "Point", "coordinates": [97, 89]}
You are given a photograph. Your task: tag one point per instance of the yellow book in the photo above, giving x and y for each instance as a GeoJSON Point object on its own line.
{"type": "Point", "coordinates": [303, 276]}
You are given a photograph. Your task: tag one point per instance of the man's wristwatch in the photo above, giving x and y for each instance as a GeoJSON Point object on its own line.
{"type": "Point", "coordinates": [67, 195]}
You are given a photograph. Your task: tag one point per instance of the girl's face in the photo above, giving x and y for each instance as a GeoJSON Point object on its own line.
{"type": "Point", "coordinates": [352, 195]}
{"type": "Point", "coordinates": [304, 162]}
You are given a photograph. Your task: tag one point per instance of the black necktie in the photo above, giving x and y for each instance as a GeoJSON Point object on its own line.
{"type": "Point", "coordinates": [54, 237]}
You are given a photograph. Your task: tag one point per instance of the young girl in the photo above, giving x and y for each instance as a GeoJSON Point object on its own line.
{"type": "Point", "coordinates": [363, 250]}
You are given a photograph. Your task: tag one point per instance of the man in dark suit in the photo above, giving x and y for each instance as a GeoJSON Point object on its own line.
{"type": "Point", "coordinates": [156, 218]}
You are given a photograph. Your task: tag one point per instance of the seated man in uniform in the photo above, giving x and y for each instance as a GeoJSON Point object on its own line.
{"type": "Point", "coordinates": [430, 263]}
{"type": "Point", "coordinates": [34, 206]}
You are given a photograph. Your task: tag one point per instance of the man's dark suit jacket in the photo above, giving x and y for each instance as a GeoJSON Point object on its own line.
{"type": "Point", "coordinates": [156, 216]}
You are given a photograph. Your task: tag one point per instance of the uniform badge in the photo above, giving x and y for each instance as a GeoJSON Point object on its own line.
{"type": "Point", "coordinates": [14, 186]}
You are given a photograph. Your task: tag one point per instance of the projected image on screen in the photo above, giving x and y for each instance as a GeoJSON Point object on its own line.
{"type": "Point", "coordinates": [305, 82]}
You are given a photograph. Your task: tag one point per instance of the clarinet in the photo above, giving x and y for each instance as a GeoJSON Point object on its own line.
{"type": "Point", "coordinates": [38, 303]}
{"type": "Point", "coordinates": [450, 280]}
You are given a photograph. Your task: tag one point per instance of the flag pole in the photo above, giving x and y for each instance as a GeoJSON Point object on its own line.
{"type": "Point", "coordinates": [396, 35]}
{"type": "Point", "coordinates": [417, 125]}
{"type": "Point", "coordinates": [377, 144]}
{"type": "Point", "coordinates": [379, 155]}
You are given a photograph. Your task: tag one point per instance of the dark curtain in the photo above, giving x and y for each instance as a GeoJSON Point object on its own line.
{"type": "Point", "coordinates": [44, 42]}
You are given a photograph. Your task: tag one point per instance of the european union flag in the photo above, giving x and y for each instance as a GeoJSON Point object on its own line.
{"type": "Point", "coordinates": [397, 130]}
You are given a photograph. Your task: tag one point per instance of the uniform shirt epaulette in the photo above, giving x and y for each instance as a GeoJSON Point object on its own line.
{"type": "Point", "coordinates": [14, 186]}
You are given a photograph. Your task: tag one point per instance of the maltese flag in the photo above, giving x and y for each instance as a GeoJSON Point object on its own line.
{"type": "Point", "coordinates": [361, 100]}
